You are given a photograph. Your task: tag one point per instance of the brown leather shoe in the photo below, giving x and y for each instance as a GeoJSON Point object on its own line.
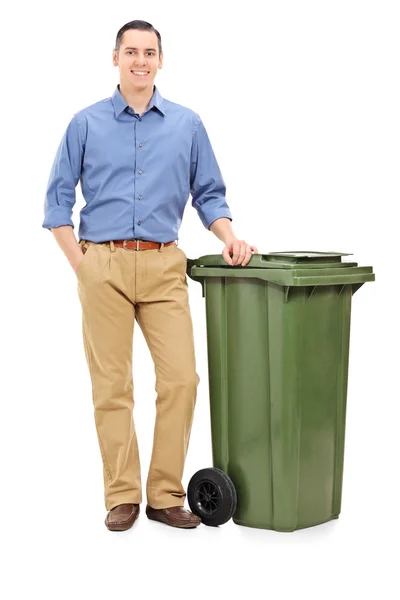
{"type": "Point", "coordinates": [176, 516]}
{"type": "Point", "coordinates": [122, 517]}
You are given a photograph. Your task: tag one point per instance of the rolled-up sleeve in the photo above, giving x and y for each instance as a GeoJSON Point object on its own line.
{"type": "Point", "coordinates": [206, 184]}
{"type": "Point", "coordinates": [64, 176]}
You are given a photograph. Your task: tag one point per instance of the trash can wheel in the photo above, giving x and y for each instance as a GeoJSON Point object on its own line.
{"type": "Point", "coordinates": [212, 496]}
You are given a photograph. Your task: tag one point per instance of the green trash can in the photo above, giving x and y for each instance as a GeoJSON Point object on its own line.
{"type": "Point", "coordinates": [278, 347]}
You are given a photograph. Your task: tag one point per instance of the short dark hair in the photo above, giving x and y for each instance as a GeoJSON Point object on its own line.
{"type": "Point", "coordinates": [142, 26]}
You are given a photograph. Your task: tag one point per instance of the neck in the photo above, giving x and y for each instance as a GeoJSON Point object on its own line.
{"type": "Point", "coordinates": [137, 99]}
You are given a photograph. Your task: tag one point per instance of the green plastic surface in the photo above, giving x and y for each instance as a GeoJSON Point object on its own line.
{"type": "Point", "coordinates": [281, 260]}
{"type": "Point", "coordinates": [284, 268]}
{"type": "Point", "coordinates": [278, 350]}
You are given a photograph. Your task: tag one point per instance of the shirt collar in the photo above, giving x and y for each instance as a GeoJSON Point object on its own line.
{"type": "Point", "coordinates": [120, 103]}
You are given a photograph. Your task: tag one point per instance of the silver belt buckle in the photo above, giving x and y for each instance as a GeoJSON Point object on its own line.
{"type": "Point", "coordinates": [137, 244]}
{"type": "Point", "coordinates": [124, 244]}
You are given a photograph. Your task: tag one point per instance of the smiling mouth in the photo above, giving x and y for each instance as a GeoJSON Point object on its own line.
{"type": "Point", "coordinates": [140, 73]}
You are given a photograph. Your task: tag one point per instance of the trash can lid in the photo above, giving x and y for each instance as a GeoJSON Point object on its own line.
{"type": "Point", "coordinates": [281, 260]}
{"type": "Point", "coordinates": [297, 268]}
{"type": "Point", "coordinates": [305, 257]}
{"type": "Point", "coordinates": [305, 254]}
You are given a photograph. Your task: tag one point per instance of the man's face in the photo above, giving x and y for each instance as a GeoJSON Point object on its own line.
{"type": "Point", "coordinates": [138, 59]}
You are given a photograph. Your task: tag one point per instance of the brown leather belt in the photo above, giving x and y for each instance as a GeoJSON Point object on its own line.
{"type": "Point", "coordinates": [140, 244]}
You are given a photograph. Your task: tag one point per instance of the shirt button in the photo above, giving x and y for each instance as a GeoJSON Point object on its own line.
{"type": "Point", "coordinates": [140, 171]}
{"type": "Point", "coordinates": [140, 145]}
{"type": "Point", "coordinates": [140, 118]}
{"type": "Point", "coordinates": [139, 222]}
{"type": "Point", "coordinates": [140, 197]}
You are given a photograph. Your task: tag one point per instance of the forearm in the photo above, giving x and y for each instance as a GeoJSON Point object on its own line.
{"type": "Point", "coordinates": [222, 228]}
{"type": "Point", "coordinates": [66, 239]}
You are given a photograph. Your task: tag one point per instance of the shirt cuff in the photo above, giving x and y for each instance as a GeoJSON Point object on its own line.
{"type": "Point", "coordinates": [57, 216]}
{"type": "Point", "coordinates": [220, 216]}
{"type": "Point", "coordinates": [209, 219]}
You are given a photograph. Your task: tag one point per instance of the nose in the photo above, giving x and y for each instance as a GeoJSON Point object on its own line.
{"type": "Point", "coordinates": [140, 61]}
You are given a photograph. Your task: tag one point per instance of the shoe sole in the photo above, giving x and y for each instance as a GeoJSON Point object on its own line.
{"type": "Point", "coordinates": [183, 526]}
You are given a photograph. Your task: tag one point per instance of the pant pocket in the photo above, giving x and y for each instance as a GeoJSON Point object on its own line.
{"type": "Point", "coordinates": [86, 249]}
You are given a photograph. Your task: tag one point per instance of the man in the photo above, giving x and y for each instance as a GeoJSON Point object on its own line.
{"type": "Point", "coordinates": [138, 156]}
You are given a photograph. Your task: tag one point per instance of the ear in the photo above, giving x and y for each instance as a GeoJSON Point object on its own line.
{"type": "Point", "coordinates": [160, 63]}
{"type": "Point", "coordinates": [114, 58]}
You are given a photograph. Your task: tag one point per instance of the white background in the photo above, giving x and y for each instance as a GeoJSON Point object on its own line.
{"type": "Point", "coordinates": [301, 102]}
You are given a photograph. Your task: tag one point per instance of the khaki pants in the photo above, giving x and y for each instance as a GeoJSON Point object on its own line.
{"type": "Point", "coordinates": [115, 286]}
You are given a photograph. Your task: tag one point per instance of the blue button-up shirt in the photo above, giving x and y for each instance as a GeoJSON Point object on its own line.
{"type": "Point", "coordinates": [136, 172]}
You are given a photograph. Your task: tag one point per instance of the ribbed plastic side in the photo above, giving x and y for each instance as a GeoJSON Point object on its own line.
{"type": "Point", "coordinates": [278, 364]}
